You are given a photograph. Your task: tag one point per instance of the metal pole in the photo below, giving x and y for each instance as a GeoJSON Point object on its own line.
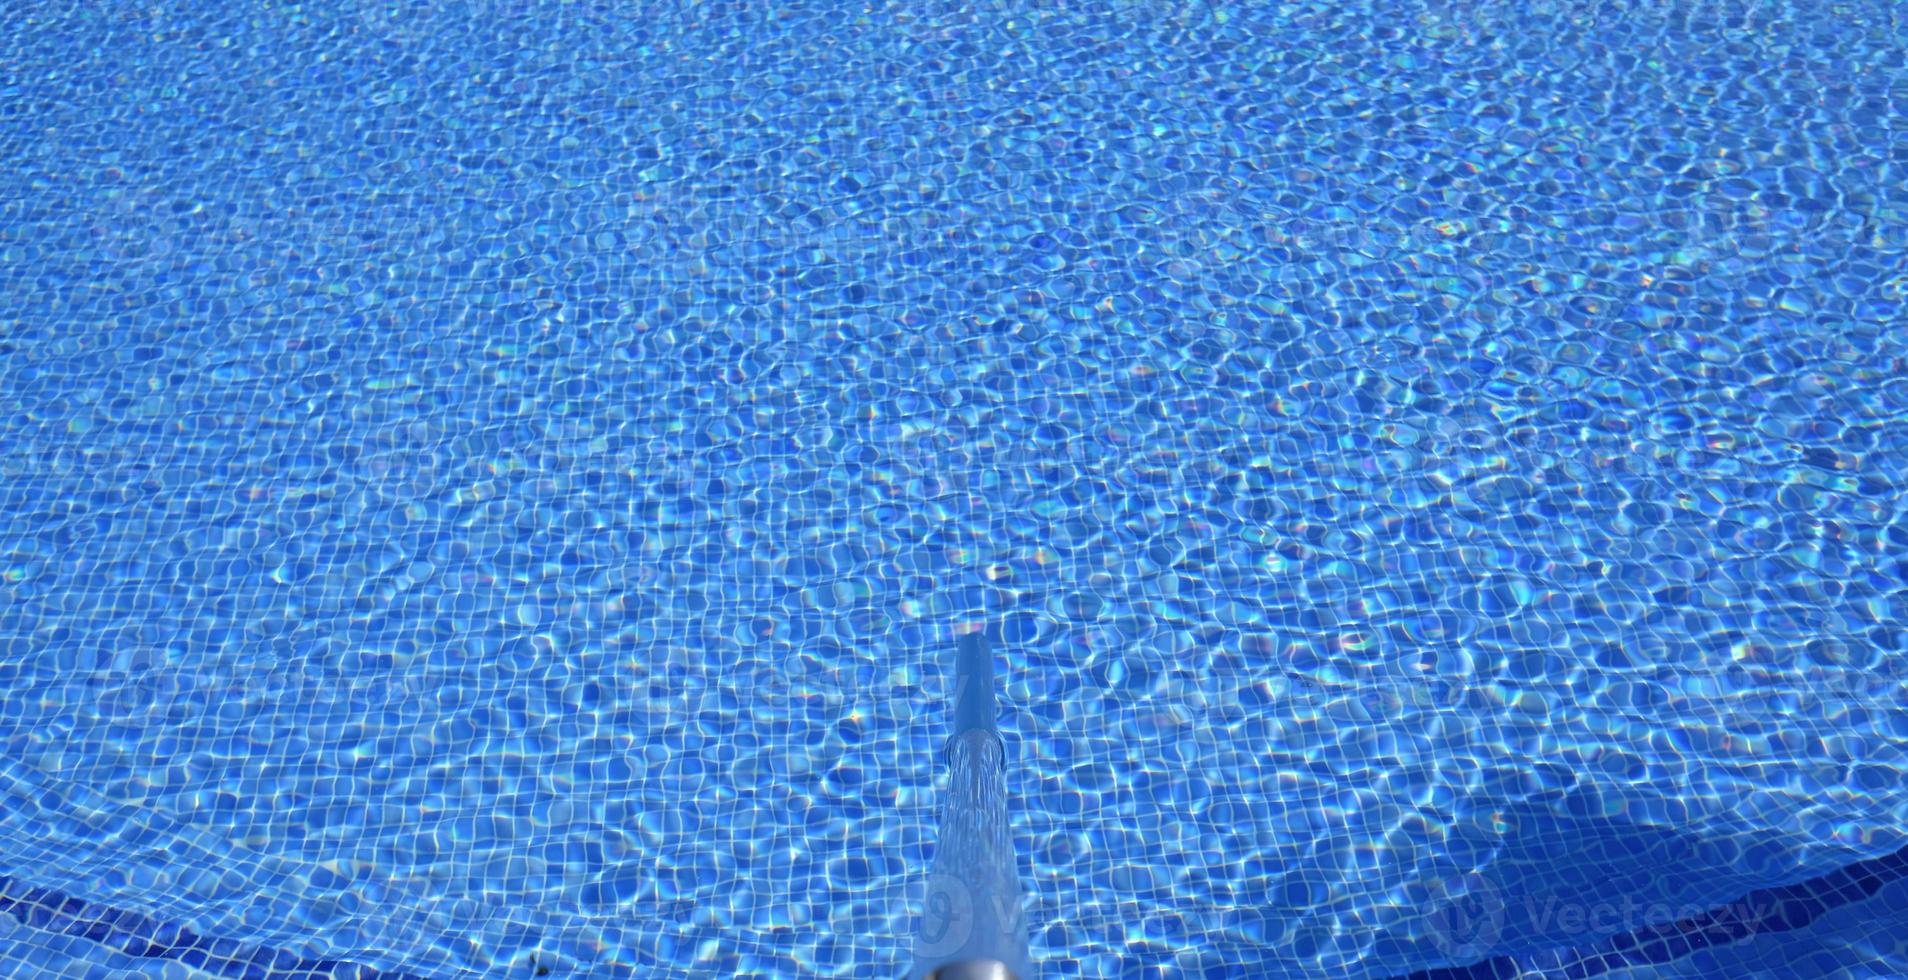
{"type": "Point", "coordinates": [971, 927]}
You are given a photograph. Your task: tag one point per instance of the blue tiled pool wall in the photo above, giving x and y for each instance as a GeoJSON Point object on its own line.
{"type": "Point", "coordinates": [1699, 943]}
{"type": "Point", "coordinates": [136, 861]}
{"type": "Point", "coordinates": [114, 942]}
{"type": "Point", "coordinates": [128, 937]}
{"type": "Point", "coordinates": [526, 461]}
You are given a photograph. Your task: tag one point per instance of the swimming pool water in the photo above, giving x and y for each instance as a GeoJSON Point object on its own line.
{"type": "Point", "coordinates": [489, 485]}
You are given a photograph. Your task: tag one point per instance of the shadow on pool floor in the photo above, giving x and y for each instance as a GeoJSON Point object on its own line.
{"type": "Point", "coordinates": [1569, 891]}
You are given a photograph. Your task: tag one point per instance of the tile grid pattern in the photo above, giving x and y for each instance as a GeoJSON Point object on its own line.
{"type": "Point", "coordinates": [134, 935]}
{"type": "Point", "coordinates": [1760, 912]}
{"type": "Point", "coordinates": [522, 459]}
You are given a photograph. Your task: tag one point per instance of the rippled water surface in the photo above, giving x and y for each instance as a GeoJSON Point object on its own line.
{"type": "Point", "coordinates": [490, 485]}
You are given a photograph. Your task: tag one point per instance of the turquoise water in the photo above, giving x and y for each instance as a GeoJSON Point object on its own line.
{"type": "Point", "coordinates": [489, 487]}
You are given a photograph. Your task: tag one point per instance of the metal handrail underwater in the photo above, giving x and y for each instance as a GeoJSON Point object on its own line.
{"type": "Point", "coordinates": [971, 924]}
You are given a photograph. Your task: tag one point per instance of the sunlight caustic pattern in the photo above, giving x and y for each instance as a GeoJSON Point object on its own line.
{"type": "Point", "coordinates": [487, 484]}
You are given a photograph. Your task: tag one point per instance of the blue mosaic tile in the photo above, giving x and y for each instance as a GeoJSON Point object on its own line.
{"type": "Point", "coordinates": [1762, 912]}
{"type": "Point", "coordinates": [485, 484]}
{"type": "Point", "coordinates": [137, 935]}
